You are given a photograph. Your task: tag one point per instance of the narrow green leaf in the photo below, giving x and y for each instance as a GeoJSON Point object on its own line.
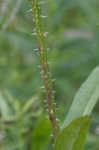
{"type": "Point", "coordinates": [41, 135]}
{"type": "Point", "coordinates": [29, 104]}
{"type": "Point", "coordinates": [85, 99]}
{"type": "Point", "coordinates": [4, 108]}
{"type": "Point", "coordinates": [73, 136]}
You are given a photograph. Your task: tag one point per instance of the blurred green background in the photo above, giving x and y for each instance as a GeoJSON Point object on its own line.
{"type": "Point", "coordinates": [73, 42]}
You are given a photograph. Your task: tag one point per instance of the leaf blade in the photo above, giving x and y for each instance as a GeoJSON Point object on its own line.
{"type": "Point", "coordinates": [73, 136]}
{"type": "Point", "coordinates": [41, 135]}
{"type": "Point", "coordinates": [85, 99]}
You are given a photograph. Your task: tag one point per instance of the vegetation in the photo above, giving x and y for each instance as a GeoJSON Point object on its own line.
{"type": "Point", "coordinates": [63, 45]}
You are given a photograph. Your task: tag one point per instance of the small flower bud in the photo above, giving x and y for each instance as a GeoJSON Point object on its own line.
{"type": "Point", "coordinates": [44, 16]}
{"type": "Point", "coordinates": [34, 33]}
{"type": "Point", "coordinates": [42, 87]}
{"type": "Point", "coordinates": [30, 10]}
{"type": "Point", "coordinates": [45, 34]}
{"type": "Point", "coordinates": [35, 49]}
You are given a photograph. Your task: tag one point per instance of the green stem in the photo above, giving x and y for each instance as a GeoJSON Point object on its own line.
{"type": "Point", "coordinates": [42, 49]}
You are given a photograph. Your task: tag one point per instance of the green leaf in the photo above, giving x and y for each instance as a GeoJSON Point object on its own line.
{"type": "Point", "coordinates": [41, 135]}
{"type": "Point", "coordinates": [85, 99]}
{"type": "Point", "coordinates": [73, 136]}
{"type": "Point", "coordinates": [29, 104]}
{"type": "Point", "coordinates": [5, 110]}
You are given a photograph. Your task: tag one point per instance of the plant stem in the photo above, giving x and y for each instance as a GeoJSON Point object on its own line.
{"type": "Point", "coordinates": [42, 49]}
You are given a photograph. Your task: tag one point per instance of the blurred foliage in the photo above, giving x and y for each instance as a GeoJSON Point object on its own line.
{"type": "Point", "coordinates": [73, 27]}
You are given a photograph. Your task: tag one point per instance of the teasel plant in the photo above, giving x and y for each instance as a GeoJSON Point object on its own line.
{"type": "Point", "coordinates": [45, 72]}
